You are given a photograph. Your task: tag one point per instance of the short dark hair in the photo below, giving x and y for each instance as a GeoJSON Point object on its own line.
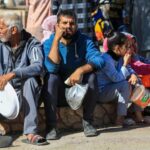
{"type": "Point", "coordinates": [116, 38]}
{"type": "Point", "coordinates": [68, 13]}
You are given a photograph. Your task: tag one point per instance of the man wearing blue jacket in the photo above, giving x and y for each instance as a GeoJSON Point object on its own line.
{"type": "Point", "coordinates": [69, 55]}
{"type": "Point", "coordinates": [21, 64]}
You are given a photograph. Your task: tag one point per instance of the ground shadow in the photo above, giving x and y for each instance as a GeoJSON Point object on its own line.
{"type": "Point", "coordinates": [120, 128]}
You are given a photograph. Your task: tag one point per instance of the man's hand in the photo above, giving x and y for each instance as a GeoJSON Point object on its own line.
{"type": "Point", "coordinates": [3, 82]}
{"type": "Point", "coordinates": [133, 79]}
{"type": "Point", "coordinates": [59, 32]}
{"type": "Point", "coordinates": [76, 77]}
{"type": "Point", "coordinates": [54, 52]}
{"type": "Point", "coordinates": [4, 79]}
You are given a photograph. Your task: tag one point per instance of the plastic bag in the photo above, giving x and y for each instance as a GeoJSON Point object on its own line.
{"type": "Point", "coordinates": [75, 95]}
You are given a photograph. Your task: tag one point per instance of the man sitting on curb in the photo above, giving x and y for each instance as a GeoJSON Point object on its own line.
{"type": "Point", "coordinates": [69, 54]}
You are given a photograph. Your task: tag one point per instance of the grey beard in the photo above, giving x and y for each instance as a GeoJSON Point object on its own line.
{"type": "Point", "coordinates": [4, 40]}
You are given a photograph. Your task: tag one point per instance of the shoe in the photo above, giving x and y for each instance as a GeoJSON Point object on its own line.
{"type": "Point", "coordinates": [52, 134]}
{"type": "Point", "coordinates": [89, 130]}
{"type": "Point", "coordinates": [144, 121]}
{"type": "Point", "coordinates": [5, 141]}
{"type": "Point", "coordinates": [35, 139]}
{"type": "Point", "coordinates": [147, 119]}
{"type": "Point", "coordinates": [128, 122]}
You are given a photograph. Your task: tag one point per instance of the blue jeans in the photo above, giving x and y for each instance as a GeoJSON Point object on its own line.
{"type": "Point", "coordinates": [116, 91]}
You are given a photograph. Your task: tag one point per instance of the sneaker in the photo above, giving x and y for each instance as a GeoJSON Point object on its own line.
{"type": "Point", "coordinates": [128, 122]}
{"type": "Point", "coordinates": [147, 120]}
{"type": "Point", "coordinates": [144, 121]}
{"type": "Point", "coordinates": [89, 130]}
{"type": "Point", "coordinates": [52, 134]}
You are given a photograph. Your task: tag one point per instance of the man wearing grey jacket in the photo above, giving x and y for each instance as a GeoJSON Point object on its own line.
{"type": "Point", "coordinates": [21, 64]}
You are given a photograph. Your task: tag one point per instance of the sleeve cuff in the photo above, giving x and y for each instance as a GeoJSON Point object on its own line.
{"type": "Point", "coordinates": [17, 73]}
{"type": "Point", "coordinates": [125, 71]}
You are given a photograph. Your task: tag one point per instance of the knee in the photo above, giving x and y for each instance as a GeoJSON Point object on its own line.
{"type": "Point", "coordinates": [125, 88]}
{"type": "Point", "coordinates": [31, 82]}
{"type": "Point", "coordinates": [31, 89]}
{"type": "Point", "coordinates": [51, 79]}
{"type": "Point", "coordinates": [92, 81]}
{"type": "Point", "coordinates": [125, 85]}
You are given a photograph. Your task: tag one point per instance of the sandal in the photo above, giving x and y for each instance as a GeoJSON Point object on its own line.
{"type": "Point", "coordinates": [36, 140]}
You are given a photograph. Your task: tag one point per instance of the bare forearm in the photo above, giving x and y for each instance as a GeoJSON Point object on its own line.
{"type": "Point", "coordinates": [76, 76]}
{"type": "Point", "coordinates": [54, 52]}
{"type": "Point", "coordinates": [85, 68]}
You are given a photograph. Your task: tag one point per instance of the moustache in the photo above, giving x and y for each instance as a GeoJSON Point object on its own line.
{"type": "Point", "coordinates": [68, 30]}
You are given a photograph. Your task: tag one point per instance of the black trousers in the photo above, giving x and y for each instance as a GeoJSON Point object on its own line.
{"type": "Point", "coordinates": [54, 95]}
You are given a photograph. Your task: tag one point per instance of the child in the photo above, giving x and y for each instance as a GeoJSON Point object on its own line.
{"type": "Point", "coordinates": [116, 77]}
{"type": "Point", "coordinates": [139, 64]}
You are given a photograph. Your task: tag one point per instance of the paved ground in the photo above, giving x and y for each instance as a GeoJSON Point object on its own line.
{"type": "Point", "coordinates": [110, 138]}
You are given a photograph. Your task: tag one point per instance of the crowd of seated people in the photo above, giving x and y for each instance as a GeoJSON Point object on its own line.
{"type": "Point", "coordinates": [67, 54]}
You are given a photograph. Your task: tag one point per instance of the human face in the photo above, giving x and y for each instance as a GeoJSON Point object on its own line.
{"type": "Point", "coordinates": [132, 46]}
{"type": "Point", "coordinates": [122, 50]}
{"type": "Point", "coordinates": [69, 24]}
{"type": "Point", "coordinates": [5, 33]}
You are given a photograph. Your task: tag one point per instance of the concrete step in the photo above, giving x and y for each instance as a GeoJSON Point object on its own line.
{"type": "Point", "coordinates": [104, 114]}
